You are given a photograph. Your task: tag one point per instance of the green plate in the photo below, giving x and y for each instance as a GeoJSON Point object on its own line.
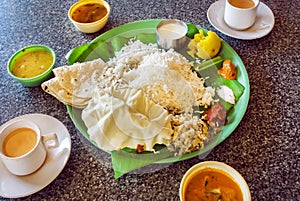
{"type": "Point", "coordinates": [104, 46]}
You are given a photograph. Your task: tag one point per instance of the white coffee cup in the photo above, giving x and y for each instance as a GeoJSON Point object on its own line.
{"type": "Point", "coordinates": [239, 16]}
{"type": "Point", "coordinates": [23, 158]}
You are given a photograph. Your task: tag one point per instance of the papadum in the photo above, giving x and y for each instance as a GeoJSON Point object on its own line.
{"type": "Point", "coordinates": [125, 119]}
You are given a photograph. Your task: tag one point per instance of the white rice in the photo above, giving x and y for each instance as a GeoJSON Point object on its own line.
{"type": "Point", "coordinates": [166, 77]}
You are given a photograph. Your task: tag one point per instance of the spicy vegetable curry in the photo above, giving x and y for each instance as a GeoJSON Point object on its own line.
{"type": "Point", "coordinates": [212, 184]}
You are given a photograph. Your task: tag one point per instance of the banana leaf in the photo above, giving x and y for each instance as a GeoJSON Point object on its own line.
{"type": "Point", "coordinates": [127, 160]}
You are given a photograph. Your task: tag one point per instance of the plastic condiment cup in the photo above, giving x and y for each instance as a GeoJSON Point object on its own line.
{"type": "Point", "coordinates": [240, 18]}
{"type": "Point", "coordinates": [32, 160]}
{"type": "Point", "coordinates": [171, 33]}
{"type": "Point", "coordinates": [222, 167]}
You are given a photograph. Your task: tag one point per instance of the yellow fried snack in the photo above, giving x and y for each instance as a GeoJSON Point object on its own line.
{"type": "Point", "coordinates": [204, 46]}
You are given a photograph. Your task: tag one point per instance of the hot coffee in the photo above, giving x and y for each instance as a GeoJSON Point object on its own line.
{"type": "Point", "coordinates": [242, 3]}
{"type": "Point", "coordinates": [240, 14]}
{"type": "Point", "coordinates": [19, 142]}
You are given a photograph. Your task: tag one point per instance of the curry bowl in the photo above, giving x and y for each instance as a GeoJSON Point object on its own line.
{"type": "Point", "coordinates": [212, 180]}
{"type": "Point", "coordinates": [32, 65]}
{"type": "Point", "coordinates": [89, 16]}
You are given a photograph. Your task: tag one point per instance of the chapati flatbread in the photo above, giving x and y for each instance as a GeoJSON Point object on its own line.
{"type": "Point", "coordinates": [53, 87]}
{"type": "Point", "coordinates": [80, 79]}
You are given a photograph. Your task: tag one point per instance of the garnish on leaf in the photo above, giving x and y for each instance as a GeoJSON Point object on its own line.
{"type": "Point", "coordinates": [228, 70]}
{"type": "Point", "coordinates": [216, 115]}
{"type": "Point", "coordinates": [140, 148]}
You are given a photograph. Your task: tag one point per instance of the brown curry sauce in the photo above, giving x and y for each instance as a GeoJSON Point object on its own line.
{"type": "Point", "coordinates": [89, 13]}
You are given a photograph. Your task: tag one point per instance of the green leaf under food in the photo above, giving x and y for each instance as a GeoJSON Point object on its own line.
{"type": "Point", "coordinates": [103, 49]}
{"type": "Point", "coordinates": [227, 106]}
{"type": "Point", "coordinates": [146, 38]}
{"type": "Point", "coordinates": [98, 49]}
{"type": "Point", "coordinates": [184, 53]}
{"type": "Point", "coordinates": [192, 30]}
{"type": "Point", "coordinates": [209, 70]}
{"type": "Point", "coordinates": [214, 62]}
{"type": "Point", "coordinates": [118, 42]}
{"type": "Point", "coordinates": [237, 89]}
{"type": "Point", "coordinates": [73, 55]}
{"type": "Point", "coordinates": [235, 86]}
{"type": "Point", "coordinates": [156, 147]}
{"type": "Point", "coordinates": [124, 162]}
{"type": "Point", "coordinates": [90, 52]}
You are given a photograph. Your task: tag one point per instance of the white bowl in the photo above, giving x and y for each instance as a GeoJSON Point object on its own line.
{"type": "Point", "coordinates": [90, 27]}
{"type": "Point", "coordinates": [229, 171]}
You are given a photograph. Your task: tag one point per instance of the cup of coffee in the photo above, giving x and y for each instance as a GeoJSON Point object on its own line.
{"type": "Point", "coordinates": [22, 147]}
{"type": "Point", "coordinates": [240, 14]}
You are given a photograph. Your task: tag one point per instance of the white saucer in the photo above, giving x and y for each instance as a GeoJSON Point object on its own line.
{"type": "Point", "coordinates": [263, 25]}
{"type": "Point", "coordinates": [12, 186]}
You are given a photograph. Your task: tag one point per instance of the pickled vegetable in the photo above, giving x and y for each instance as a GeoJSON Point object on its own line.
{"type": "Point", "coordinates": [204, 46]}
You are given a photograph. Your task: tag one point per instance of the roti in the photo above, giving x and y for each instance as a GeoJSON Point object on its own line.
{"type": "Point", "coordinates": [80, 79]}
{"type": "Point", "coordinates": [74, 84]}
{"type": "Point", "coordinates": [53, 87]}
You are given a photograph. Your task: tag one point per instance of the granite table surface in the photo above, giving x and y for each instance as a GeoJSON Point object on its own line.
{"type": "Point", "coordinates": [264, 147]}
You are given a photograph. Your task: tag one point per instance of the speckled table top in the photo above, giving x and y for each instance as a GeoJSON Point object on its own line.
{"type": "Point", "coordinates": [264, 148]}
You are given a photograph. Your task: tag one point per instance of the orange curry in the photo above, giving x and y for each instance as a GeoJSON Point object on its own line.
{"type": "Point", "coordinates": [212, 184]}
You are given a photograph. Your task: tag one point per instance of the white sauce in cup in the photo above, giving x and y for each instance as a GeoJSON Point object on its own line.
{"type": "Point", "coordinates": [171, 33]}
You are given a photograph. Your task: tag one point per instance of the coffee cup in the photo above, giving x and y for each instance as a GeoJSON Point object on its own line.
{"type": "Point", "coordinates": [240, 14]}
{"type": "Point", "coordinates": [23, 149]}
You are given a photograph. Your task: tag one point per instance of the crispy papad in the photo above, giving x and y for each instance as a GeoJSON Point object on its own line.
{"type": "Point", "coordinates": [125, 119]}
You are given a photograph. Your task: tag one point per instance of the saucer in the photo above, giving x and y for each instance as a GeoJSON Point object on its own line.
{"type": "Point", "coordinates": [263, 25]}
{"type": "Point", "coordinates": [12, 186]}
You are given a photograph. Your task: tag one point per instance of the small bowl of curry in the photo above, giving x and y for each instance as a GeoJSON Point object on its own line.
{"type": "Point", "coordinates": [212, 180]}
{"type": "Point", "coordinates": [32, 65]}
{"type": "Point", "coordinates": [89, 16]}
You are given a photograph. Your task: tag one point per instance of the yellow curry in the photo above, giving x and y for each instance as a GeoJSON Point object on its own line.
{"type": "Point", "coordinates": [32, 64]}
